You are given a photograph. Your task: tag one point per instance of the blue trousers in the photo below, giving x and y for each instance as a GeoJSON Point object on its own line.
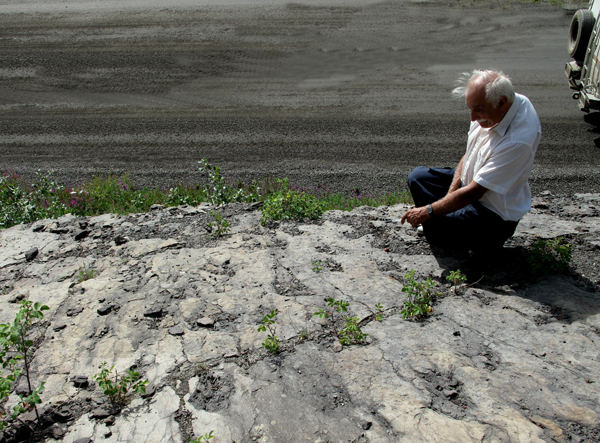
{"type": "Point", "coordinates": [472, 227]}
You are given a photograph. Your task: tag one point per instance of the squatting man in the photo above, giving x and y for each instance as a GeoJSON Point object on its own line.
{"type": "Point", "coordinates": [479, 204]}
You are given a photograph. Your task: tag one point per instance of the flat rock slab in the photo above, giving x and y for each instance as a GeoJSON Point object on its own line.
{"type": "Point", "coordinates": [509, 357]}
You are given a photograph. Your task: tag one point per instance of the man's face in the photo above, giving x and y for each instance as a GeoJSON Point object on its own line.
{"type": "Point", "coordinates": [482, 111]}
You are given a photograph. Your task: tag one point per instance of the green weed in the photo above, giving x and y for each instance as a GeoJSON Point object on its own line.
{"type": "Point", "coordinates": [287, 204]}
{"type": "Point", "coordinates": [271, 343]}
{"type": "Point", "coordinates": [220, 225]}
{"type": "Point", "coordinates": [317, 265]}
{"type": "Point", "coordinates": [350, 332]}
{"type": "Point", "coordinates": [184, 195]}
{"type": "Point", "coordinates": [337, 306]}
{"type": "Point", "coordinates": [220, 192]}
{"type": "Point", "coordinates": [21, 202]}
{"type": "Point", "coordinates": [46, 198]}
{"type": "Point", "coordinates": [303, 334]}
{"type": "Point", "coordinates": [204, 438]}
{"type": "Point", "coordinates": [419, 296]}
{"type": "Point", "coordinates": [16, 345]}
{"type": "Point", "coordinates": [85, 273]}
{"type": "Point", "coordinates": [456, 278]}
{"type": "Point", "coordinates": [119, 390]}
{"type": "Point", "coordinates": [379, 313]}
{"type": "Point", "coordinates": [549, 256]}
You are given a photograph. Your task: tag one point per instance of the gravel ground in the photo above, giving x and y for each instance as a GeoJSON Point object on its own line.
{"type": "Point", "coordinates": [339, 95]}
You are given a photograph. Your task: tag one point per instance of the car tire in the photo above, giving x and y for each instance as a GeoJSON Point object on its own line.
{"type": "Point", "coordinates": [582, 25]}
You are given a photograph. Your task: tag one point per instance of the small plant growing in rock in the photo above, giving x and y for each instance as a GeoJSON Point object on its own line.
{"type": "Point", "coordinates": [16, 345]}
{"type": "Point", "coordinates": [204, 438]}
{"type": "Point", "coordinates": [220, 226]}
{"type": "Point", "coordinates": [336, 306]}
{"type": "Point", "coordinates": [456, 278]}
{"type": "Point", "coordinates": [303, 334]}
{"type": "Point", "coordinates": [548, 256]}
{"type": "Point", "coordinates": [120, 389]}
{"type": "Point", "coordinates": [419, 296]}
{"type": "Point", "coordinates": [201, 369]}
{"type": "Point", "coordinates": [351, 331]}
{"type": "Point", "coordinates": [85, 273]}
{"type": "Point", "coordinates": [379, 313]}
{"type": "Point", "coordinates": [317, 266]}
{"type": "Point", "coordinates": [271, 343]}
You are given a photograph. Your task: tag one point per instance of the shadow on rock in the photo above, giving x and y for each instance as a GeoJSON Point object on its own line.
{"type": "Point", "coordinates": [566, 297]}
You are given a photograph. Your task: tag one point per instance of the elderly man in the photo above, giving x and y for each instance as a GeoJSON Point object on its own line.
{"type": "Point", "coordinates": [479, 204]}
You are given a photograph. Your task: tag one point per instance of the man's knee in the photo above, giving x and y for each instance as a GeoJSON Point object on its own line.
{"type": "Point", "coordinates": [435, 176]}
{"type": "Point", "coordinates": [416, 175]}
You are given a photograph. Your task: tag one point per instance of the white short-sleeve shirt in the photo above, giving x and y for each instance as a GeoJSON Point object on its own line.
{"type": "Point", "coordinates": [501, 159]}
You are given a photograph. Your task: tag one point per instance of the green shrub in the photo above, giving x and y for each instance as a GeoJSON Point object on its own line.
{"type": "Point", "coordinates": [271, 343]}
{"type": "Point", "coordinates": [16, 345]}
{"type": "Point", "coordinates": [419, 296]}
{"type": "Point", "coordinates": [220, 225]}
{"type": "Point", "coordinates": [23, 204]}
{"type": "Point", "coordinates": [286, 204]}
{"type": "Point", "coordinates": [119, 390]}
{"type": "Point", "coordinates": [549, 256]}
{"type": "Point", "coordinates": [350, 332]}
{"type": "Point", "coordinates": [220, 192]}
{"type": "Point", "coordinates": [46, 198]}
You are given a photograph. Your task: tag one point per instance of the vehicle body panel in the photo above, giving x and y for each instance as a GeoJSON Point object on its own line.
{"type": "Point", "coordinates": [584, 76]}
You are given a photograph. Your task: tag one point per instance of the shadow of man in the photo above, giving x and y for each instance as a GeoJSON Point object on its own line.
{"type": "Point", "coordinates": [566, 297]}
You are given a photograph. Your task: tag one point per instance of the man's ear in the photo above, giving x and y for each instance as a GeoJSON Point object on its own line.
{"type": "Point", "coordinates": [503, 102]}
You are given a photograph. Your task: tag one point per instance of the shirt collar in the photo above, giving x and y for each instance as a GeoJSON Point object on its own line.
{"type": "Point", "coordinates": [502, 127]}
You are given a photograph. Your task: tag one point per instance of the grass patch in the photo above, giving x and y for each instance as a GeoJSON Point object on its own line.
{"type": "Point", "coordinates": [22, 202]}
{"type": "Point", "coordinates": [348, 201]}
{"type": "Point", "coordinates": [85, 273]}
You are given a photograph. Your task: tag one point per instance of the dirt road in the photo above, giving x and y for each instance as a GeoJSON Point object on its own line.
{"type": "Point", "coordinates": [346, 95]}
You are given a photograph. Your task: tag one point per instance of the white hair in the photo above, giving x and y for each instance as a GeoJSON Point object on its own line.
{"type": "Point", "coordinates": [497, 85]}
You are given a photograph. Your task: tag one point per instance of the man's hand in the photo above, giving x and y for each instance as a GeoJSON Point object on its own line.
{"type": "Point", "coordinates": [451, 202]}
{"type": "Point", "coordinates": [416, 216]}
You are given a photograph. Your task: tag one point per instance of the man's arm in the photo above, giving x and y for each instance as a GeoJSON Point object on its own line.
{"type": "Point", "coordinates": [456, 182]}
{"type": "Point", "coordinates": [451, 202]}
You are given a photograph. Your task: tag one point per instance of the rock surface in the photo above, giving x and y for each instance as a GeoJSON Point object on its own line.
{"type": "Point", "coordinates": [509, 357]}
